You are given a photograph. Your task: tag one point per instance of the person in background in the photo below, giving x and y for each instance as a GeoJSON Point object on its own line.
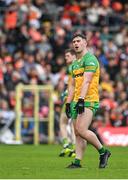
{"type": "Point", "coordinates": [68, 137]}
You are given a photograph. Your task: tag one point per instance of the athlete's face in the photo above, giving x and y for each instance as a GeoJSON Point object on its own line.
{"type": "Point", "coordinates": [69, 57]}
{"type": "Point", "coordinates": [79, 44]}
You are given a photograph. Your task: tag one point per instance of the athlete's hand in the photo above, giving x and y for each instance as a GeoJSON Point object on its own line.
{"type": "Point", "coordinates": [68, 110]}
{"type": "Point", "coordinates": [80, 106]}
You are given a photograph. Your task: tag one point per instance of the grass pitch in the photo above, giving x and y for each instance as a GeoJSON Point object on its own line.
{"type": "Point", "coordinates": [42, 162]}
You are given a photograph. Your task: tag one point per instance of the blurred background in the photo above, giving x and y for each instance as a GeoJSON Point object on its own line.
{"type": "Point", "coordinates": [33, 37]}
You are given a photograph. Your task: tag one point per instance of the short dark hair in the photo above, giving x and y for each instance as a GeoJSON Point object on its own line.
{"type": "Point", "coordinates": [79, 35]}
{"type": "Point", "coordinates": [70, 51]}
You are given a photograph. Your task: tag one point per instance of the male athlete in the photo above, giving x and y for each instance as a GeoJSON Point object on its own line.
{"type": "Point", "coordinates": [83, 100]}
{"type": "Point", "coordinates": [68, 137]}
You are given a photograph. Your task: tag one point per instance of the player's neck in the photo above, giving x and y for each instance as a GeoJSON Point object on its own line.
{"type": "Point", "coordinates": [81, 54]}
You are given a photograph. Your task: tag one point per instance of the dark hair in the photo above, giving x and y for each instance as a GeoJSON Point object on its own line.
{"type": "Point", "coordinates": [79, 35]}
{"type": "Point", "coordinates": [70, 51]}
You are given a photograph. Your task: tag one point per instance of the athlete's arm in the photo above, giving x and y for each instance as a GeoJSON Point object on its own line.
{"type": "Point", "coordinates": [86, 83]}
{"type": "Point", "coordinates": [71, 88]}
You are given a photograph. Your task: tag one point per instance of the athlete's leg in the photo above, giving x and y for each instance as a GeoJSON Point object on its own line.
{"type": "Point", "coordinates": [82, 124]}
{"type": "Point", "coordinates": [80, 148]}
{"type": "Point", "coordinates": [72, 133]}
{"type": "Point", "coordinates": [68, 147]}
{"type": "Point", "coordinates": [63, 127]}
{"type": "Point", "coordinates": [80, 144]}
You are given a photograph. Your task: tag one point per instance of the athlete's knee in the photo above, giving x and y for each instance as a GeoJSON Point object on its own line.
{"type": "Point", "coordinates": [76, 132]}
{"type": "Point", "coordinates": [83, 132]}
{"type": "Point", "coordinates": [80, 128]}
{"type": "Point", "coordinates": [88, 134]}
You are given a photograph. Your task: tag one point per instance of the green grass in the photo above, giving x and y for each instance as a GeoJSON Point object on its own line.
{"type": "Point", "coordinates": [42, 162]}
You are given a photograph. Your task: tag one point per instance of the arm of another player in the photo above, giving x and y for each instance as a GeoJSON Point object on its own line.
{"type": "Point", "coordinates": [70, 96]}
{"type": "Point", "coordinates": [71, 89]}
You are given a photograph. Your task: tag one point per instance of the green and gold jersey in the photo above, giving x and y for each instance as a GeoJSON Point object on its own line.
{"type": "Point", "coordinates": [65, 92]}
{"type": "Point", "coordinates": [88, 63]}
{"type": "Point", "coordinates": [69, 73]}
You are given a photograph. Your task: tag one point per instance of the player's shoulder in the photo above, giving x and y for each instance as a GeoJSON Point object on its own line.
{"type": "Point", "coordinates": [73, 64]}
{"type": "Point", "coordinates": [70, 67]}
{"type": "Point", "coordinates": [91, 59]}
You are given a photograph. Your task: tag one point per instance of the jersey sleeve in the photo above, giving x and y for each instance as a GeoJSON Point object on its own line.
{"type": "Point", "coordinates": [91, 64]}
{"type": "Point", "coordinates": [70, 74]}
{"type": "Point", "coordinates": [70, 71]}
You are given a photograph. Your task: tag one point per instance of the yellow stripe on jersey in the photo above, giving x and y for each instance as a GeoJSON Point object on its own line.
{"type": "Point", "coordinates": [90, 68]}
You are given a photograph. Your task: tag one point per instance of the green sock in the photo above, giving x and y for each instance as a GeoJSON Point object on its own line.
{"type": "Point", "coordinates": [72, 146]}
{"type": "Point", "coordinates": [101, 151]}
{"type": "Point", "coordinates": [77, 161]}
{"type": "Point", "coordinates": [65, 142]}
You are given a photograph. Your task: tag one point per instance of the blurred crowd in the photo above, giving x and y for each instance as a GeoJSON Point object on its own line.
{"type": "Point", "coordinates": [33, 37]}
